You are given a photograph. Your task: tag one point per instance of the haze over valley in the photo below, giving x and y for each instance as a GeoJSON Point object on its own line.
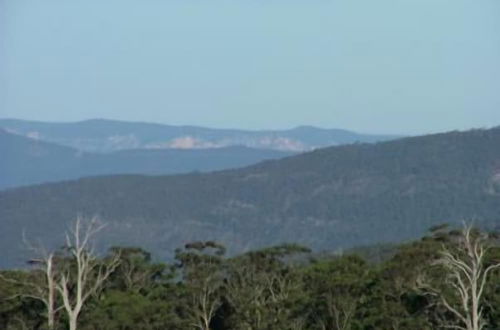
{"type": "Point", "coordinates": [249, 164]}
{"type": "Point", "coordinates": [38, 152]}
{"type": "Point", "coordinates": [328, 199]}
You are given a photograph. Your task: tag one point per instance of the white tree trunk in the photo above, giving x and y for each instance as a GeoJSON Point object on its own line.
{"type": "Point", "coordinates": [73, 319]}
{"type": "Point", "coordinates": [467, 276]}
{"type": "Point", "coordinates": [90, 277]}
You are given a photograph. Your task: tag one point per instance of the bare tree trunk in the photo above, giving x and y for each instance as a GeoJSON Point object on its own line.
{"type": "Point", "coordinates": [73, 318]}
{"type": "Point", "coordinates": [44, 292]}
{"type": "Point", "coordinates": [51, 292]}
{"type": "Point", "coordinates": [85, 282]}
{"type": "Point", "coordinates": [467, 277]}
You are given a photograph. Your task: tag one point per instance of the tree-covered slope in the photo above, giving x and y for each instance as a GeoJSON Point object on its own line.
{"type": "Point", "coordinates": [330, 198]}
{"type": "Point", "coordinates": [27, 161]}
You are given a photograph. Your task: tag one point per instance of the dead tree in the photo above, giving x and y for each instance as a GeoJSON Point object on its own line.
{"type": "Point", "coordinates": [466, 276]}
{"type": "Point", "coordinates": [43, 285]}
{"type": "Point", "coordinates": [89, 275]}
{"type": "Point", "coordinates": [47, 293]}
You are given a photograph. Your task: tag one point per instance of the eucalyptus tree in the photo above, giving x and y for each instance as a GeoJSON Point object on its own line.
{"type": "Point", "coordinates": [467, 271]}
{"type": "Point", "coordinates": [84, 274]}
{"type": "Point", "coordinates": [263, 289]}
{"type": "Point", "coordinates": [336, 289]}
{"type": "Point", "coordinates": [200, 264]}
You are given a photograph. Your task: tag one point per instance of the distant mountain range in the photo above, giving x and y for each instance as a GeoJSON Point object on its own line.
{"type": "Point", "coordinates": [332, 198]}
{"type": "Point", "coordinates": [99, 135]}
{"type": "Point", "coordinates": [27, 161]}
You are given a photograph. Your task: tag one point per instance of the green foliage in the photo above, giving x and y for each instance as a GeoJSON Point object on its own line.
{"type": "Point", "coordinates": [17, 309]}
{"type": "Point", "coordinates": [263, 290]}
{"type": "Point", "coordinates": [337, 288]}
{"type": "Point", "coordinates": [128, 310]}
{"type": "Point", "coordinates": [277, 288]}
{"type": "Point", "coordinates": [201, 266]}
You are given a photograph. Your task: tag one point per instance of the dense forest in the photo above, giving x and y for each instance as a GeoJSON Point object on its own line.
{"type": "Point", "coordinates": [329, 199]}
{"type": "Point", "coordinates": [447, 279]}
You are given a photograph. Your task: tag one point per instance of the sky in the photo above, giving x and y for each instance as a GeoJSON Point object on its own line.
{"type": "Point", "coordinates": [375, 66]}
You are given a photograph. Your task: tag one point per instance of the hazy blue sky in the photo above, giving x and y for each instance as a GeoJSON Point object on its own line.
{"type": "Point", "coordinates": [397, 66]}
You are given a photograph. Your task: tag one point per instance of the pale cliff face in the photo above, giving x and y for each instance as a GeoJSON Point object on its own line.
{"type": "Point", "coordinates": [266, 142]}
{"type": "Point", "coordinates": [107, 136]}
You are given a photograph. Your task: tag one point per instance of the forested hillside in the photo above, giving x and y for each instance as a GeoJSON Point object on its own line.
{"type": "Point", "coordinates": [27, 161]}
{"type": "Point", "coordinates": [331, 198]}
